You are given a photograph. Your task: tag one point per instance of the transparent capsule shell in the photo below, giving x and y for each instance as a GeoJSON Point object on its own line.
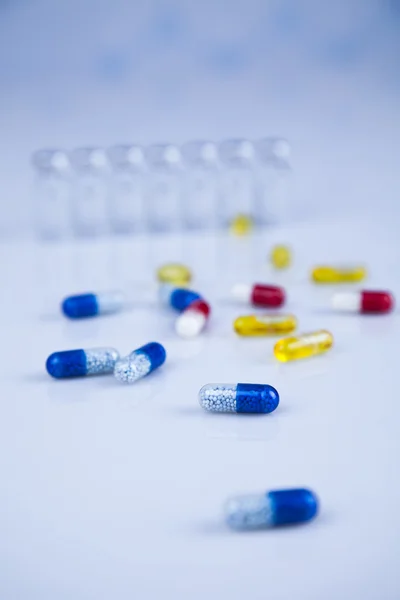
{"type": "Point", "coordinates": [91, 305]}
{"type": "Point", "coordinates": [303, 346]}
{"type": "Point", "coordinates": [330, 274]}
{"type": "Point", "coordinates": [140, 362]}
{"type": "Point", "coordinates": [238, 398]}
{"type": "Point", "coordinates": [271, 509]}
{"type": "Point", "coordinates": [260, 325]}
{"type": "Point", "coordinates": [80, 363]}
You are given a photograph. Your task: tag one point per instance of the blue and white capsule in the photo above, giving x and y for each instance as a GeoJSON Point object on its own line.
{"type": "Point", "coordinates": [271, 509]}
{"type": "Point", "coordinates": [238, 398]}
{"type": "Point", "coordinates": [92, 305]}
{"type": "Point", "coordinates": [79, 363]}
{"type": "Point", "coordinates": [177, 298]}
{"type": "Point", "coordinates": [140, 362]}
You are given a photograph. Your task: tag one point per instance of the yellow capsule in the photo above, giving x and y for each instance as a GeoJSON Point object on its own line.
{"type": "Point", "coordinates": [174, 273]}
{"type": "Point", "coordinates": [281, 257]}
{"type": "Point", "coordinates": [252, 325]}
{"type": "Point", "coordinates": [303, 346]}
{"type": "Point", "coordinates": [325, 274]}
{"type": "Point", "coordinates": [241, 225]}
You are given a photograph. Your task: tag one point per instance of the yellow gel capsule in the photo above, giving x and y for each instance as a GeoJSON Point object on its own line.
{"type": "Point", "coordinates": [281, 257]}
{"type": "Point", "coordinates": [303, 346]}
{"type": "Point", "coordinates": [241, 225]}
{"type": "Point", "coordinates": [252, 325]}
{"type": "Point", "coordinates": [174, 273]}
{"type": "Point", "coordinates": [338, 274]}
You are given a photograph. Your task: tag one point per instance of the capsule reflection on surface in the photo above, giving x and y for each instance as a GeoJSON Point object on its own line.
{"type": "Point", "coordinates": [303, 346]}
{"type": "Point", "coordinates": [258, 325]}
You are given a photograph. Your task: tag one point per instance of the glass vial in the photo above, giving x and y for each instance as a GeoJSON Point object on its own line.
{"type": "Point", "coordinates": [126, 188]}
{"type": "Point", "coordinates": [273, 174]}
{"type": "Point", "coordinates": [90, 192]}
{"type": "Point", "coordinates": [200, 185]}
{"type": "Point", "coordinates": [163, 188]}
{"type": "Point", "coordinates": [237, 184]}
{"type": "Point", "coordinates": [52, 194]}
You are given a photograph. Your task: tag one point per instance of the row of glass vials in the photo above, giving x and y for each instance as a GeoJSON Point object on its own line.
{"type": "Point", "coordinates": [128, 189]}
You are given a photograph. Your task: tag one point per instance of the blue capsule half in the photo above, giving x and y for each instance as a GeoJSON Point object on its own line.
{"type": "Point", "coordinates": [91, 305]}
{"type": "Point", "coordinates": [238, 397]}
{"type": "Point", "coordinates": [140, 362]}
{"type": "Point", "coordinates": [282, 507]}
{"type": "Point", "coordinates": [79, 363]}
{"type": "Point", "coordinates": [177, 298]}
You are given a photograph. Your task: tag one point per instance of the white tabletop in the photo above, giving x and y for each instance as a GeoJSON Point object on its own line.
{"type": "Point", "coordinates": [113, 491]}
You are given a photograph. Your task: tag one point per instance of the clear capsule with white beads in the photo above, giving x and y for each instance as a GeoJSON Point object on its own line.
{"type": "Point", "coordinates": [140, 362]}
{"type": "Point", "coordinates": [82, 306]}
{"type": "Point", "coordinates": [79, 363]}
{"type": "Point", "coordinates": [271, 509]}
{"type": "Point", "coordinates": [238, 398]}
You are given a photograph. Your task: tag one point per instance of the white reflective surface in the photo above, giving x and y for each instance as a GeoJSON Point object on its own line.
{"type": "Point", "coordinates": [112, 491]}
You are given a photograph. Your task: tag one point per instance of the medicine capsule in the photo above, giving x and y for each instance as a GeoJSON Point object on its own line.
{"type": "Point", "coordinates": [326, 274]}
{"type": "Point", "coordinates": [177, 298]}
{"type": "Point", "coordinates": [271, 509]}
{"type": "Point", "coordinates": [79, 363]}
{"type": "Point", "coordinates": [253, 325]}
{"type": "Point", "coordinates": [241, 225]}
{"type": "Point", "coordinates": [363, 302]}
{"type": "Point", "coordinates": [174, 273]}
{"type": "Point", "coordinates": [259, 294]}
{"type": "Point", "coordinates": [91, 305]}
{"type": "Point", "coordinates": [238, 398]}
{"type": "Point", "coordinates": [303, 346]}
{"type": "Point", "coordinates": [140, 362]}
{"type": "Point", "coordinates": [281, 257]}
{"type": "Point", "coordinates": [193, 319]}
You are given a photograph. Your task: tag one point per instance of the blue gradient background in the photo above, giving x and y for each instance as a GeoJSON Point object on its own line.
{"type": "Point", "coordinates": [326, 75]}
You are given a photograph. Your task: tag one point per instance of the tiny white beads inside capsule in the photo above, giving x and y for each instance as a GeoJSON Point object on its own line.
{"type": "Point", "coordinates": [248, 512]}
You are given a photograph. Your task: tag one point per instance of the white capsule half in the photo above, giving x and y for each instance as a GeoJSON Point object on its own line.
{"type": "Point", "coordinates": [347, 301]}
{"type": "Point", "coordinates": [242, 292]}
{"type": "Point", "coordinates": [190, 324]}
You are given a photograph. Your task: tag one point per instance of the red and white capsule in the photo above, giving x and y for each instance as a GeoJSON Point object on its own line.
{"type": "Point", "coordinates": [193, 319]}
{"type": "Point", "coordinates": [258, 294]}
{"type": "Point", "coordinates": [363, 302]}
